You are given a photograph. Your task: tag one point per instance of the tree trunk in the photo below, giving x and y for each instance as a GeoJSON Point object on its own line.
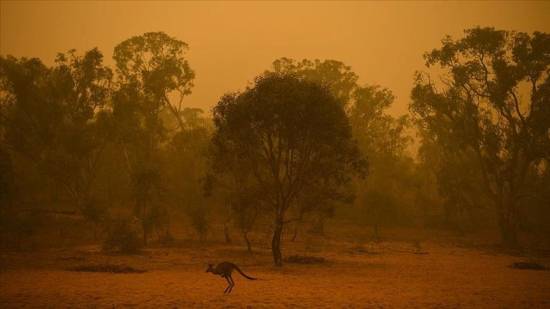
{"type": "Point", "coordinates": [144, 235]}
{"type": "Point", "coordinates": [95, 227]}
{"type": "Point", "coordinates": [295, 235]}
{"type": "Point", "coordinates": [507, 221]}
{"type": "Point", "coordinates": [276, 242]}
{"type": "Point", "coordinates": [226, 233]}
{"type": "Point", "coordinates": [508, 233]}
{"type": "Point", "coordinates": [140, 212]}
{"type": "Point", "coordinates": [168, 230]}
{"type": "Point", "coordinates": [375, 232]}
{"type": "Point", "coordinates": [247, 241]}
{"type": "Point", "coordinates": [319, 226]}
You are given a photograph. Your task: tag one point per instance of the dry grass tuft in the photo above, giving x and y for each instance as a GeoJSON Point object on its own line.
{"type": "Point", "coordinates": [305, 259]}
{"type": "Point", "coordinates": [528, 265]}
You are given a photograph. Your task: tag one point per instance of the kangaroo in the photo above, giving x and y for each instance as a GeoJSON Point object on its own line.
{"type": "Point", "coordinates": [224, 270]}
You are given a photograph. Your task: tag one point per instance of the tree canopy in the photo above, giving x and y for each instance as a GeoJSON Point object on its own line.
{"type": "Point", "coordinates": [493, 101]}
{"type": "Point", "coordinates": [292, 135]}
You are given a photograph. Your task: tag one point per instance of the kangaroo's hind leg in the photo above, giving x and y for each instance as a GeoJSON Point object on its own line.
{"type": "Point", "coordinates": [228, 286]}
{"type": "Point", "coordinates": [232, 284]}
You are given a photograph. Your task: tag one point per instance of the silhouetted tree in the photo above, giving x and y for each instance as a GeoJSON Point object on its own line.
{"type": "Point", "coordinates": [458, 178]}
{"type": "Point", "coordinates": [155, 65]}
{"type": "Point", "coordinates": [246, 206]}
{"type": "Point", "coordinates": [381, 137]}
{"type": "Point", "coordinates": [7, 190]}
{"type": "Point", "coordinates": [293, 134]}
{"type": "Point", "coordinates": [55, 119]}
{"type": "Point", "coordinates": [234, 183]}
{"type": "Point", "coordinates": [493, 101]}
{"type": "Point", "coordinates": [151, 69]}
{"type": "Point", "coordinates": [185, 166]}
{"type": "Point", "coordinates": [333, 74]}
{"type": "Point", "coordinates": [384, 139]}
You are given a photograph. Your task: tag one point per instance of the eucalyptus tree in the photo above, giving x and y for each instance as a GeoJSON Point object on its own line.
{"type": "Point", "coordinates": [292, 135]}
{"type": "Point", "coordinates": [55, 119]}
{"type": "Point", "coordinates": [381, 137]}
{"type": "Point", "coordinates": [155, 66]}
{"type": "Point", "coordinates": [492, 100]}
{"type": "Point", "coordinates": [153, 77]}
{"type": "Point", "coordinates": [185, 165]}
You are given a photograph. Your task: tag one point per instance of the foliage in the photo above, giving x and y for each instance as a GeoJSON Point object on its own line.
{"type": "Point", "coordinates": [122, 236]}
{"type": "Point", "coordinates": [198, 215]}
{"type": "Point", "coordinates": [185, 164]}
{"type": "Point", "coordinates": [492, 104]}
{"type": "Point", "coordinates": [151, 69]}
{"type": "Point", "coordinates": [292, 134]}
{"type": "Point", "coordinates": [154, 65]}
{"type": "Point", "coordinates": [53, 117]}
{"type": "Point", "coordinates": [78, 137]}
{"type": "Point", "coordinates": [381, 137]}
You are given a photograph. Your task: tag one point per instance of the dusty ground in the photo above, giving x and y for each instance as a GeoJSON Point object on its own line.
{"type": "Point", "coordinates": [388, 274]}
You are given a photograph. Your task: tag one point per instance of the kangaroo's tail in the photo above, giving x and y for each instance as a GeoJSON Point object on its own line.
{"type": "Point", "coordinates": [243, 274]}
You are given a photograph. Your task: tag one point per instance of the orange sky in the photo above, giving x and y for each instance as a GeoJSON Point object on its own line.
{"type": "Point", "coordinates": [231, 42]}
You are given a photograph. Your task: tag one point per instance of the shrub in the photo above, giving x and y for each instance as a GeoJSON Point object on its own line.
{"type": "Point", "coordinates": [122, 236]}
{"type": "Point", "coordinates": [198, 214]}
{"type": "Point", "coordinates": [18, 229]}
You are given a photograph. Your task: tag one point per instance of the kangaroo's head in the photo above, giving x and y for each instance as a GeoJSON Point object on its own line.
{"type": "Point", "coordinates": [210, 268]}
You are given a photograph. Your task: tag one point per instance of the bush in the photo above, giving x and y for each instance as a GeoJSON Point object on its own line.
{"type": "Point", "coordinates": [122, 236]}
{"type": "Point", "coordinates": [198, 214]}
{"type": "Point", "coordinates": [18, 229]}
{"type": "Point", "coordinates": [166, 238]}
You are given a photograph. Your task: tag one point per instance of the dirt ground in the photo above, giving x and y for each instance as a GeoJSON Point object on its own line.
{"type": "Point", "coordinates": [369, 275]}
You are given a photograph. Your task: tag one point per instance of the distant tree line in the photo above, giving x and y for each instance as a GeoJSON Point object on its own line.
{"type": "Point", "coordinates": [306, 141]}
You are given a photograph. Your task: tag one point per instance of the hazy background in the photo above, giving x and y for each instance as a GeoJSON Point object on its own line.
{"type": "Point", "coordinates": [231, 42]}
{"type": "Point", "coordinates": [100, 173]}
